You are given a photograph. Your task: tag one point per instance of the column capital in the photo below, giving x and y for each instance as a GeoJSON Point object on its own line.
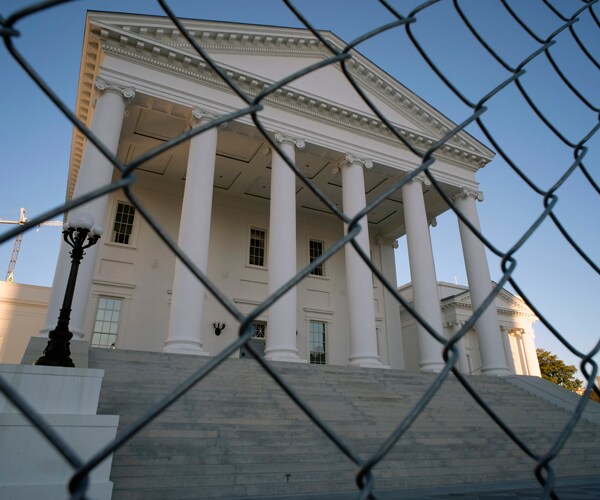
{"type": "Point", "coordinates": [507, 329]}
{"type": "Point", "coordinates": [199, 115]}
{"type": "Point", "coordinates": [350, 159]}
{"type": "Point", "coordinates": [286, 139]}
{"type": "Point", "coordinates": [465, 192]}
{"type": "Point", "coordinates": [385, 242]}
{"type": "Point", "coordinates": [421, 179]}
{"type": "Point", "coordinates": [127, 93]}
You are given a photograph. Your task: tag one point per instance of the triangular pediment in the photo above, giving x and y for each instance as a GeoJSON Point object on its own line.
{"type": "Point", "coordinates": [256, 56]}
{"type": "Point", "coordinates": [506, 302]}
{"type": "Point", "coordinates": [325, 84]}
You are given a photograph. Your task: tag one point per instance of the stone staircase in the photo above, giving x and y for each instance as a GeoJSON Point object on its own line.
{"type": "Point", "coordinates": [237, 434]}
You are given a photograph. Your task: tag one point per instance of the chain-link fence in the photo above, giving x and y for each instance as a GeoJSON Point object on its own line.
{"type": "Point", "coordinates": [565, 31]}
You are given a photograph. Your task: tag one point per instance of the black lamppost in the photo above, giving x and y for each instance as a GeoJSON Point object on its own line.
{"type": "Point", "coordinates": [79, 233]}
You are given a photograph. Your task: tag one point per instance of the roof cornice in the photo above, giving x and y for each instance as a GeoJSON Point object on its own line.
{"type": "Point", "coordinates": [221, 37]}
{"type": "Point", "coordinates": [90, 62]}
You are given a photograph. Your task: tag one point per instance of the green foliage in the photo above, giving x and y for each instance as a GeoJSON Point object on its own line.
{"type": "Point", "coordinates": [557, 371]}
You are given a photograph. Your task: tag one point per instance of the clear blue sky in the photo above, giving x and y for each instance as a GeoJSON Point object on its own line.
{"type": "Point", "coordinates": [35, 138]}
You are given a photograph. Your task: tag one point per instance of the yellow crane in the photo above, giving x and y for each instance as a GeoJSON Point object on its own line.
{"type": "Point", "coordinates": [15, 253]}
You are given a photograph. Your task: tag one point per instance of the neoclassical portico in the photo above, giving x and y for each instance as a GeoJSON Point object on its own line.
{"type": "Point", "coordinates": [242, 216]}
{"type": "Point", "coordinates": [187, 324]}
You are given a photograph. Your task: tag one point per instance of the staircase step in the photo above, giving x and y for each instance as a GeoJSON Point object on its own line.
{"type": "Point", "coordinates": [237, 434]}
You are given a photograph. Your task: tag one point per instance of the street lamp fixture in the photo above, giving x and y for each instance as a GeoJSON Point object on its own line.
{"type": "Point", "coordinates": [79, 233]}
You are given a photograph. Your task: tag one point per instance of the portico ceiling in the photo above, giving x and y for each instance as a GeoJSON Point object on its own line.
{"type": "Point", "coordinates": [243, 165]}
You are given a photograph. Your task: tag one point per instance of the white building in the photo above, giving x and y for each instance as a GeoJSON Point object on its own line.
{"type": "Point", "coordinates": [515, 318]}
{"type": "Point", "coordinates": [239, 212]}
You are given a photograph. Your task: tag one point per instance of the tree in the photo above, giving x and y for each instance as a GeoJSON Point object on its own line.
{"type": "Point", "coordinates": [557, 371]}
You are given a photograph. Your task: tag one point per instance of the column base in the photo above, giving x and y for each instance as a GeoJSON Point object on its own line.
{"type": "Point", "coordinates": [179, 346]}
{"type": "Point", "coordinates": [498, 371]}
{"type": "Point", "coordinates": [286, 355]}
{"type": "Point", "coordinates": [431, 366]}
{"type": "Point", "coordinates": [367, 362]}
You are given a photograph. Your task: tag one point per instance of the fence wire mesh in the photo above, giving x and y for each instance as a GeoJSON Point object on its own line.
{"type": "Point", "coordinates": [565, 28]}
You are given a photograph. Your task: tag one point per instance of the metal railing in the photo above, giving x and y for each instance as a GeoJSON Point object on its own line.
{"type": "Point", "coordinates": [565, 27]}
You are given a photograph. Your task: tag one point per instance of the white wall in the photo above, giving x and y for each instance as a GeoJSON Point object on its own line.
{"type": "Point", "coordinates": [22, 314]}
{"type": "Point", "coordinates": [142, 275]}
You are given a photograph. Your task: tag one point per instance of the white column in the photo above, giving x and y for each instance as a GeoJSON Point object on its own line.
{"type": "Point", "coordinates": [533, 365]}
{"type": "Point", "coordinates": [187, 304]}
{"type": "Point", "coordinates": [359, 281]}
{"type": "Point", "coordinates": [95, 171]}
{"type": "Point", "coordinates": [518, 338]}
{"type": "Point", "coordinates": [493, 361]}
{"type": "Point", "coordinates": [422, 273]}
{"type": "Point", "coordinates": [507, 349]}
{"type": "Point", "coordinates": [463, 364]}
{"type": "Point", "coordinates": [393, 327]}
{"type": "Point", "coordinates": [281, 316]}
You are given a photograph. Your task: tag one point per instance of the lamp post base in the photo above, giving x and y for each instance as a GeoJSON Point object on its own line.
{"type": "Point", "coordinates": [57, 353]}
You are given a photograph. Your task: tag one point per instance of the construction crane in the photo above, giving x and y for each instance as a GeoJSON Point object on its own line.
{"type": "Point", "coordinates": [15, 253]}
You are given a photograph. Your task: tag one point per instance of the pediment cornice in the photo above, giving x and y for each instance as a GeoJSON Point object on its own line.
{"type": "Point", "coordinates": [153, 41]}
{"type": "Point", "coordinates": [514, 302]}
{"type": "Point", "coordinates": [512, 306]}
{"type": "Point", "coordinates": [291, 44]}
{"type": "Point", "coordinates": [191, 65]}
{"type": "Point", "coordinates": [232, 39]}
{"type": "Point", "coordinates": [501, 311]}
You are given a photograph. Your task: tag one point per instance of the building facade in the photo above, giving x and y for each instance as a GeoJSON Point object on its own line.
{"type": "Point", "coordinates": [239, 212]}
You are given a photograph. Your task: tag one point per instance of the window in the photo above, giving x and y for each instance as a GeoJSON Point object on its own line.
{"type": "Point", "coordinates": [259, 330]}
{"type": "Point", "coordinates": [315, 250]}
{"type": "Point", "coordinates": [257, 247]}
{"type": "Point", "coordinates": [107, 322]}
{"type": "Point", "coordinates": [318, 348]}
{"type": "Point", "coordinates": [123, 226]}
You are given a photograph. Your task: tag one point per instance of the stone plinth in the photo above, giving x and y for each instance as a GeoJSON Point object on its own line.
{"type": "Point", "coordinates": [67, 398]}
